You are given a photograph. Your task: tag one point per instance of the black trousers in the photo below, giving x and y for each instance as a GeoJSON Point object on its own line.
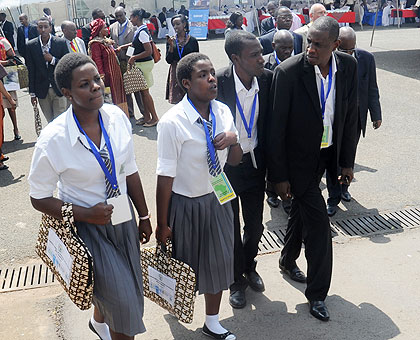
{"type": "Point", "coordinates": [249, 185]}
{"type": "Point", "coordinates": [308, 221]}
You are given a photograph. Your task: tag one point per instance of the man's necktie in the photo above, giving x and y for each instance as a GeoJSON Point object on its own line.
{"type": "Point", "coordinates": [213, 171]}
{"type": "Point", "coordinates": [73, 47]}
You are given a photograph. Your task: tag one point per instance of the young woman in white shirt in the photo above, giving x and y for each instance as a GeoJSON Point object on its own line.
{"type": "Point", "coordinates": [188, 211]}
{"type": "Point", "coordinates": [65, 156]}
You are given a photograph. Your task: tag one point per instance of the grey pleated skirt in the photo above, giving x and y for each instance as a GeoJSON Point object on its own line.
{"type": "Point", "coordinates": [118, 288]}
{"type": "Point", "coordinates": [202, 234]}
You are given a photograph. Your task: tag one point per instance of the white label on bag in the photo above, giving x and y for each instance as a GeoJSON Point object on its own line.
{"type": "Point", "coordinates": [162, 285]}
{"type": "Point", "coordinates": [130, 51]}
{"type": "Point", "coordinates": [59, 255]}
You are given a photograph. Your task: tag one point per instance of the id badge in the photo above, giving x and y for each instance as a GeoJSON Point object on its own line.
{"type": "Point", "coordinates": [254, 162]}
{"type": "Point", "coordinates": [222, 188]}
{"type": "Point", "coordinates": [325, 136]}
{"type": "Point", "coordinates": [130, 51]}
{"type": "Point", "coordinates": [121, 212]}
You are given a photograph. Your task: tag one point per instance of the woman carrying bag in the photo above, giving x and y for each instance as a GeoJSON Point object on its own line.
{"type": "Point", "coordinates": [87, 152]}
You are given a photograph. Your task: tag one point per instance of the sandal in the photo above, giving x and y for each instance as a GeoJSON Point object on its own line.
{"type": "Point", "coordinates": [18, 137]}
{"type": "Point", "coordinates": [140, 121]}
{"type": "Point", "coordinates": [4, 167]}
{"type": "Point", "coordinates": [150, 124]}
{"type": "Point", "coordinates": [4, 158]}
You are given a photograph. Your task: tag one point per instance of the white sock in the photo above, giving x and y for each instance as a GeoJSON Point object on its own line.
{"type": "Point", "coordinates": [101, 328]}
{"type": "Point", "coordinates": [212, 323]}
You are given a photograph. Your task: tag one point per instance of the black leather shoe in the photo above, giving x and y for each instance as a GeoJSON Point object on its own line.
{"type": "Point", "coordinates": [237, 299]}
{"type": "Point", "coordinates": [319, 310]}
{"type": "Point", "coordinates": [287, 206]}
{"type": "Point", "coordinates": [294, 273]}
{"type": "Point", "coordinates": [228, 335]}
{"type": "Point", "coordinates": [255, 281]}
{"type": "Point", "coordinates": [273, 202]}
{"type": "Point", "coordinates": [331, 210]}
{"type": "Point", "coordinates": [345, 196]}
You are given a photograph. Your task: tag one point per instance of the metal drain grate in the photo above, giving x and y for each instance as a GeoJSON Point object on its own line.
{"type": "Point", "coordinates": [25, 277]}
{"type": "Point", "coordinates": [272, 240]}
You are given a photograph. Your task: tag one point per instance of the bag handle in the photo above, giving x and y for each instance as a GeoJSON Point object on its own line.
{"type": "Point", "coordinates": [67, 215]}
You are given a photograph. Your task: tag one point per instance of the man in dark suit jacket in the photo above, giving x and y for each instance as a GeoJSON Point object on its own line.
{"type": "Point", "coordinates": [43, 54]}
{"type": "Point", "coordinates": [8, 29]}
{"type": "Point", "coordinates": [368, 95]}
{"type": "Point", "coordinates": [96, 13]}
{"type": "Point", "coordinates": [25, 33]}
{"type": "Point", "coordinates": [305, 138]}
{"type": "Point", "coordinates": [269, 24]}
{"type": "Point", "coordinates": [245, 86]}
{"type": "Point", "coordinates": [284, 22]}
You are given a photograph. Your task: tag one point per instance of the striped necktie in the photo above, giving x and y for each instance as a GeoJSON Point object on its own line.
{"type": "Point", "coordinates": [213, 171]}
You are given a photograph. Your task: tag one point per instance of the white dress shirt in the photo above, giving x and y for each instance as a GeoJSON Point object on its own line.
{"type": "Point", "coordinates": [61, 159]}
{"type": "Point", "coordinates": [78, 44]}
{"type": "Point", "coordinates": [246, 98]}
{"type": "Point", "coordinates": [182, 147]}
{"type": "Point", "coordinates": [330, 103]}
{"type": "Point", "coordinates": [46, 49]}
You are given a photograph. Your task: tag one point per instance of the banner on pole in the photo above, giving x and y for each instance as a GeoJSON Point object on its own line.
{"type": "Point", "coordinates": [199, 17]}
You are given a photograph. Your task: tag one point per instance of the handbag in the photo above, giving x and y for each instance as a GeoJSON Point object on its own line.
{"type": "Point", "coordinates": [37, 119]}
{"type": "Point", "coordinates": [155, 52]}
{"type": "Point", "coordinates": [66, 255]}
{"type": "Point", "coordinates": [23, 76]}
{"type": "Point", "coordinates": [168, 282]}
{"type": "Point", "coordinates": [134, 80]}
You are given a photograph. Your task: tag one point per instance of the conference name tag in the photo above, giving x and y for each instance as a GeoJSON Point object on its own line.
{"type": "Point", "coordinates": [130, 51]}
{"type": "Point", "coordinates": [59, 255]}
{"type": "Point", "coordinates": [325, 136]}
{"type": "Point", "coordinates": [222, 188]}
{"type": "Point", "coordinates": [162, 285]}
{"type": "Point", "coordinates": [121, 212]}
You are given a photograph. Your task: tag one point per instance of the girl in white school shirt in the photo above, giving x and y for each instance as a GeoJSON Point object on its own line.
{"type": "Point", "coordinates": [65, 155]}
{"type": "Point", "coordinates": [187, 209]}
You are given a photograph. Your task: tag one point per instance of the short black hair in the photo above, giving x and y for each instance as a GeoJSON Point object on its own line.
{"type": "Point", "coordinates": [185, 66]}
{"type": "Point", "coordinates": [141, 13]}
{"type": "Point", "coordinates": [231, 23]}
{"type": "Point", "coordinates": [63, 73]}
{"type": "Point", "coordinates": [286, 3]}
{"type": "Point", "coordinates": [327, 24]}
{"type": "Point", "coordinates": [44, 19]}
{"type": "Point", "coordinates": [236, 41]}
{"type": "Point", "coordinates": [95, 13]}
{"type": "Point", "coordinates": [183, 20]}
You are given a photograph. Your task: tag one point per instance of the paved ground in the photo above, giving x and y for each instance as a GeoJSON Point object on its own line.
{"type": "Point", "coordinates": [374, 294]}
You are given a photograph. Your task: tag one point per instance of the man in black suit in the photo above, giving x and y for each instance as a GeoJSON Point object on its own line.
{"type": "Point", "coordinates": [368, 95]}
{"type": "Point", "coordinates": [96, 13]}
{"type": "Point", "coordinates": [269, 24]}
{"type": "Point", "coordinates": [25, 33]}
{"type": "Point", "coordinates": [282, 49]}
{"type": "Point", "coordinates": [162, 17]}
{"type": "Point", "coordinates": [8, 29]}
{"type": "Point", "coordinates": [313, 127]}
{"type": "Point", "coordinates": [43, 54]}
{"type": "Point", "coordinates": [284, 22]}
{"type": "Point", "coordinates": [244, 87]}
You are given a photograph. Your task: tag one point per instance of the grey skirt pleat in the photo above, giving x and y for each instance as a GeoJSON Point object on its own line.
{"type": "Point", "coordinates": [202, 234]}
{"type": "Point", "coordinates": [118, 288]}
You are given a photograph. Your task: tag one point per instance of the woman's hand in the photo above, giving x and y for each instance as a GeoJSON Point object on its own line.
{"type": "Point", "coordinates": [100, 214]}
{"type": "Point", "coordinates": [163, 233]}
{"type": "Point", "coordinates": [224, 139]}
{"type": "Point", "coordinates": [145, 230]}
{"type": "Point", "coordinates": [12, 102]}
{"type": "Point", "coordinates": [131, 61]}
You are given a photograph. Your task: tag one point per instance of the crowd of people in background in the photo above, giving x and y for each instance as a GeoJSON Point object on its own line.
{"type": "Point", "coordinates": [272, 122]}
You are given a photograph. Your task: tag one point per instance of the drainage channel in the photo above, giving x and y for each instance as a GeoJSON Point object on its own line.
{"type": "Point", "coordinates": [38, 275]}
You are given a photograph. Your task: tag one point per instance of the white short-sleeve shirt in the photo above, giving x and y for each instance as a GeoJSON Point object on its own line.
{"type": "Point", "coordinates": [143, 36]}
{"type": "Point", "coordinates": [60, 160]}
{"type": "Point", "coordinates": [182, 147]}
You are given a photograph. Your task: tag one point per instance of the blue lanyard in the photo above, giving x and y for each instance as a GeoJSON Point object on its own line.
{"type": "Point", "coordinates": [112, 178]}
{"type": "Point", "coordinates": [177, 46]}
{"type": "Point", "coordinates": [125, 27]}
{"type": "Point", "coordinates": [324, 100]}
{"type": "Point", "coordinates": [277, 59]}
{"type": "Point", "coordinates": [210, 145]}
{"type": "Point", "coordinates": [251, 119]}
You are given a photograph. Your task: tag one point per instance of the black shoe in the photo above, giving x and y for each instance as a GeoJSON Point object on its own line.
{"type": "Point", "coordinates": [287, 206]}
{"type": "Point", "coordinates": [273, 202]}
{"type": "Point", "coordinates": [255, 281]}
{"type": "Point", "coordinates": [319, 310]}
{"type": "Point", "coordinates": [237, 298]}
{"type": "Point", "coordinates": [228, 335]}
{"type": "Point", "coordinates": [345, 196]}
{"type": "Point", "coordinates": [331, 210]}
{"type": "Point", "coordinates": [294, 273]}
